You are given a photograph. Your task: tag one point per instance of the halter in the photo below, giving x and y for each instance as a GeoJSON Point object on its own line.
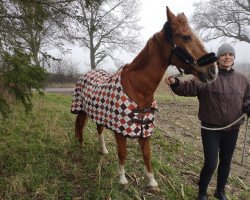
{"type": "Point", "coordinates": [184, 55]}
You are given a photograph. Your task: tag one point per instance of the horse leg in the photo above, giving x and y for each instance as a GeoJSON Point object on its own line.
{"type": "Point", "coordinates": [101, 139]}
{"type": "Point", "coordinates": [146, 152]}
{"type": "Point", "coordinates": [79, 125]}
{"type": "Point", "coordinates": [121, 143]}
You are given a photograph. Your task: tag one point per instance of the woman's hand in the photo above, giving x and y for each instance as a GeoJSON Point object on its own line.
{"type": "Point", "coordinates": [169, 80]}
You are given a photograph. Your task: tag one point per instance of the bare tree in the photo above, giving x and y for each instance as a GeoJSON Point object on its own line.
{"type": "Point", "coordinates": [26, 27]}
{"type": "Point", "coordinates": [65, 71]}
{"type": "Point", "coordinates": [106, 26]}
{"type": "Point", "coordinates": [65, 66]}
{"type": "Point", "coordinates": [220, 19]}
{"type": "Point", "coordinates": [34, 26]}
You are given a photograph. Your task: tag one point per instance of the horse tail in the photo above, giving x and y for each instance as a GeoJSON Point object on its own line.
{"type": "Point", "coordinates": [79, 125]}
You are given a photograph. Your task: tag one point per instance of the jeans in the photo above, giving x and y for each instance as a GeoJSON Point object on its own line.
{"type": "Point", "coordinates": [216, 143]}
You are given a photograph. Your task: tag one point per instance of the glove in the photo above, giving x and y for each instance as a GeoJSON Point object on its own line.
{"type": "Point", "coordinates": [247, 111]}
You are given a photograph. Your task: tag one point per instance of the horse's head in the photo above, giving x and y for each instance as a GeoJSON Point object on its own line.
{"type": "Point", "coordinates": [187, 51]}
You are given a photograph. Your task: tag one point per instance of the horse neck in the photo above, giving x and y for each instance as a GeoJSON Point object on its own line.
{"type": "Point", "coordinates": [141, 78]}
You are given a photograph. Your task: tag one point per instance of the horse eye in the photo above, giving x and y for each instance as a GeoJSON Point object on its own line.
{"type": "Point", "coordinates": [186, 38]}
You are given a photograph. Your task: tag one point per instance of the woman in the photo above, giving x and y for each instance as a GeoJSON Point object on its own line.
{"type": "Point", "coordinates": [221, 102]}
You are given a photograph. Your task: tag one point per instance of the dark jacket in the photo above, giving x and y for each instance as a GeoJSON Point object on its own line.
{"type": "Point", "coordinates": [222, 101]}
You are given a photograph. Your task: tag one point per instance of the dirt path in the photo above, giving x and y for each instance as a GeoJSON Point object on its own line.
{"type": "Point", "coordinates": [59, 90]}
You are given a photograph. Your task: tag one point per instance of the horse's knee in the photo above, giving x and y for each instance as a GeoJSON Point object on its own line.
{"type": "Point", "coordinates": [122, 155]}
{"type": "Point", "coordinates": [121, 147]}
{"type": "Point", "coordinates": [146, 150]}
{"type": "Point", "coordinates": [146, 155]}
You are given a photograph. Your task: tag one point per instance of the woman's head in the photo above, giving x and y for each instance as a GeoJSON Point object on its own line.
{"type": "Point", "coordinates": [226, 56]}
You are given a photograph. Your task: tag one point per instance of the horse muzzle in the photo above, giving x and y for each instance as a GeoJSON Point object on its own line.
{"type": "Point", "coordinates": [207, 75]}
{"type": "Point", "coordinates": [205, 67]}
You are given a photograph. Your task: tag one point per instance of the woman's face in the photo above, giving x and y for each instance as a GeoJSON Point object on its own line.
{"type": "Point", "coordinates": [226, 60]}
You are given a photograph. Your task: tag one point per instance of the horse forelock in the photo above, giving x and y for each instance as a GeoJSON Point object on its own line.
{"type": "Point", "coordinates": [182, 18]}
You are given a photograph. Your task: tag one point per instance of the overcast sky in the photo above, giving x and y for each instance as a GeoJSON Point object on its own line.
{"type": "Point", "coordinates": [153, 16]}
{"type": "Point", "coordinates": [153, 13]}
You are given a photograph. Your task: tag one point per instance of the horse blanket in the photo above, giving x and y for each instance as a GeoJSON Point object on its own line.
{"type": "Point", "coordinates": [102, 97]}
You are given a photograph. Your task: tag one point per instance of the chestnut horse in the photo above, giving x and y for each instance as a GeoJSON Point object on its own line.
{"type": "Point", "coordinates": [175, 44]}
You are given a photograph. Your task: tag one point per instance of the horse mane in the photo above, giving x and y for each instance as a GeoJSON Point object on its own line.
{"type": "Point", "coordinates": [152, 46]}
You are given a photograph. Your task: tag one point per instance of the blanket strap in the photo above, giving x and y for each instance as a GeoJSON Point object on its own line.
{"type": "Point", "coordinates": [144, 110]}
{"type": "Point", "coordinates": [142, 122]}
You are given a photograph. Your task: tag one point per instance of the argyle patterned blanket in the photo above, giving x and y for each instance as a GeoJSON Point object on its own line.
{"type": "Point", "coordinates": [101, 96]}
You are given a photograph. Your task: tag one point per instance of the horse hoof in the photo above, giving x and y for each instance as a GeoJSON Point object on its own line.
{"type": "Point", "coordinates": [123, 181]}
{"type": "Point", "coordinates": [105, 151]}
{"type": "Point", "coordinates": [125, 187]}
{"type": "Point", "coordinates": [154, 189]}
{"type": "Point", "coordinates": [81, 144]}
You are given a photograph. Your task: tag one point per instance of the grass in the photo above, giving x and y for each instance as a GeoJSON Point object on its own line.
{"type": "Point", "coordinates": [40, 159]}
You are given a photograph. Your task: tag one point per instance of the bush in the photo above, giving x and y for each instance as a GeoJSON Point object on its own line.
{"type": "Point", "coordinates": [18, 76]}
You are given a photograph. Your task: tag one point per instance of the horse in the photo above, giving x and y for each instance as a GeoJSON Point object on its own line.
{"type": "Point", "coordinates": [124, 101]}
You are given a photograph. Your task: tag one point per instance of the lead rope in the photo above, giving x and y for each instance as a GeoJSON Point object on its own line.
{"type": "Point", "coordinates": [244, 146]}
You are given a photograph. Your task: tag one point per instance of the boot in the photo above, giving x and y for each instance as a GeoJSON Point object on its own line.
{"type": "Point", "coordinates": [202, 196]}
{"type": "Point", "coordinates": [220, 194]}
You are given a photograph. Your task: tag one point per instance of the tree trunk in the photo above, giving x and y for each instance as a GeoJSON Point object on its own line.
{"type": "Point", "coordinates": [92, 49]}
{"type": "Point", "coordinates": [92, 59]}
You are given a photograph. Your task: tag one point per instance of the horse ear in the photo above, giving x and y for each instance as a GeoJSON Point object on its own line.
{"type": "Point", "coordinates": [184, 16]}
{"type": "Point", "coordinates": [170, 15]}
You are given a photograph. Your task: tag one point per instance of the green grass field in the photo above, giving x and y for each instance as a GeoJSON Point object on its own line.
{"type": "Point", "coordinates": [40, 159]}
